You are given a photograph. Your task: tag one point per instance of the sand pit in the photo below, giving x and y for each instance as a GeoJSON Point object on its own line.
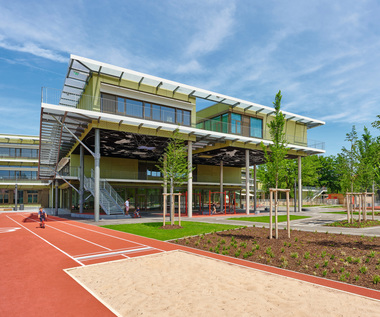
{"type": "Point", "coordinates": [183, 284]}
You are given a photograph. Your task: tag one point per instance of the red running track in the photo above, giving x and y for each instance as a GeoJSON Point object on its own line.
{"type": "Point", "coordinates": [32, 261]}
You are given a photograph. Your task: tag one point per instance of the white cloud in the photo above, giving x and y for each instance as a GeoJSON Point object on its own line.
{"type": "Point", "coordinates": [33, 49]}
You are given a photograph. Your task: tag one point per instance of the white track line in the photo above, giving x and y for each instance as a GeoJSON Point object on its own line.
{"type": "Point", "coordinates": [73, 235]}
{"type": "Point", "coordinates": [47, 242]}
{"type": "Point", "coordinates": [112, 253]}
{"type": "Point", "coordinates": [105, 234]}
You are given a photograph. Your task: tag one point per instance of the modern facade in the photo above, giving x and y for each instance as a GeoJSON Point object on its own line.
{"type": "Point", "coordinates": [104, 132]}
{"type": "Point", "coordinates": [19, 184]}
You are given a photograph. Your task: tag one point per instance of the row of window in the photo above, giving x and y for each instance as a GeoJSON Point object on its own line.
{"type": "Point", "coordinates": [232, 123]}
{"type": "Point", "coordinates": [32, 196]}
{"type": "Point", "coordinates": [18, 175]}
{"type": "Point", "coordinates": [13, 152]}
{"type": "Point", "coordinates": [146, 110]}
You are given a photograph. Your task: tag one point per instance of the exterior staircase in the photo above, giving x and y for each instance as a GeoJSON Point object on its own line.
{"type": "Point", "coordinates": [109, 199]}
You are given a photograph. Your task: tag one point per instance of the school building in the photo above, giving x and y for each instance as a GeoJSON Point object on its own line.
{"type": "Point", "coordinates": [19, 184]}
{"type": "Point", "coordinates": [102, 135]}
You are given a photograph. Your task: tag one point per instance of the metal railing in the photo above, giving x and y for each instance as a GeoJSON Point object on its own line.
{"type": "Point", "coordinates": [93, 103]}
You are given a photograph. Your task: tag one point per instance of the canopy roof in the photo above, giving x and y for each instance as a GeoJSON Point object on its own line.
{"type": "Point", "coordinates": [80, 70]}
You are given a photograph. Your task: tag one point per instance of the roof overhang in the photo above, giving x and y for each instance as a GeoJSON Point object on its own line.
{"type": "Point", "coordinates": [81, 68]}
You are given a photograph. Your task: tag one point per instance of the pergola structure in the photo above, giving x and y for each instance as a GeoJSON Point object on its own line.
{"type": "Point", "coordinates": [66, 128]}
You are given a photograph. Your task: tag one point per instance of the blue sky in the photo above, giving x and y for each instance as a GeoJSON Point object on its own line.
{"type": "Point", "coordinates": [323, 55]}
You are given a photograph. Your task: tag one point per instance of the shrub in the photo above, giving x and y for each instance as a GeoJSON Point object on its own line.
{"type": "Point", "coordinates": [372, 254]}
{"type": "Point", "coordinates": [294, 255]}
{"type": "Point", "coordinates": [333, 270]}
{"type": "Point", "coordinates": [282, 250]}
{"type": "Point", "coordinates": [356, 277]}
{"type": "Point", "coordinates": [324, 273]}
{"type": "Point", "coordinates": [306, 255]}
{"type": "Point", "coordinates": [342, 277]}
{"type": "Point", "coordinates": [363, 269]}
{"type": "Point", "coordinates": [269, 252]}
{"type": "Point", "coordinates": [376, 279]}
{"type": "Point", "coordinates": [325, 263]}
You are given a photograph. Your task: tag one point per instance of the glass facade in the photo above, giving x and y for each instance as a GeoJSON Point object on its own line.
{"type": "Point", "coordinates": [18, 174]}
{"type": "Point", "coordinates": [141, 109]}
{"type": "Point", "coordinates": [233, 123]}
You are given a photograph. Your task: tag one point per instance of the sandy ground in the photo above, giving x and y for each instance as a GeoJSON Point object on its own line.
{"type": "Point", "coordinates": [182, 284]}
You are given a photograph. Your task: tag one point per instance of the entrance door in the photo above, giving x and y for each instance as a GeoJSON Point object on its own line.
{"type": "Point", "coordinates": [141, 202]}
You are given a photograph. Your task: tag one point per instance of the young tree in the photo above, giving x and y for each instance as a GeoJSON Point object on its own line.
{"type": "Point", "coordinates": [276, 155]}
{"type": "Point", "coordinates": [277, 151]}
{"type": "Point", "coordinates": [174, 166]}
{"type": "Point", "coordinates": [351, 158]}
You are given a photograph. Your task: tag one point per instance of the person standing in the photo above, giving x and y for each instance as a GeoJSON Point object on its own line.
{"type": "Point", "coordinates": [126, 204]}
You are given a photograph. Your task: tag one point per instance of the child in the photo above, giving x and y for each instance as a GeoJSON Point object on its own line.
{"type": "Point", "coordinates": [42, 216]}
{"type": "Point", "coordinates": [136, 214]}
{"type": "Point", "coordinates": [213, 208]}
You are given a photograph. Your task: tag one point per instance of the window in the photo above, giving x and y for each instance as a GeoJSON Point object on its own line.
{"type": "Point", "coordinates": [4, 174]}
{"type": "Point", "coordinates": [4, 151]}
{"type": "Point", "coordinates": [147, 111]}
{"type": "Point", "coordinates": [156, 112]}
{"type": "Point", "coordinates": [120, 105]}
{"type": "Point", "coordinates": [225, 123]}
{"type": "Point", "coordinates": [256, 127]}
{"type": "Point", "coordinates": [186, 117]}
{"type": "Point", "coordinates": [134, 108]}
{"type": "Point", "coordinates": [179, 116]}
{"type": "Point", "coordinates": [235, 123]}
{"type": "Point", "coordinates": [168, 114]}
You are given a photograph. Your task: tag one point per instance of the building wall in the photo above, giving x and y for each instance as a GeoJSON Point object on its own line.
{"type": "Point", "coordinates": [208, 173]}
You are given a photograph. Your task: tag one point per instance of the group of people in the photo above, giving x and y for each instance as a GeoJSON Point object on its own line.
{"type": "Point", "coordinates": [136, 213]}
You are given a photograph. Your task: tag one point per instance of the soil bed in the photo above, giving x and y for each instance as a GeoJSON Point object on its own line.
{"type": "Point", "coordinates": [351, 259]}
{"type": "Point", "coordinates": [356, 224]}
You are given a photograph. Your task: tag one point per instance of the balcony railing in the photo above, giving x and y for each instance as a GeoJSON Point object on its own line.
{"type": "Point", "coordinates": [93, 103]}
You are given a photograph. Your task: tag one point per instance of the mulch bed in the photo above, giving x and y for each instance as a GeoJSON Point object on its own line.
{"type": "Point", "coordinates": [350, 259]}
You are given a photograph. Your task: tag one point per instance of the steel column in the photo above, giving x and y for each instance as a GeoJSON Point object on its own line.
{"type": "Point", "coordinates": [247, 181]}
{"type": "Point", "coordinates": [97, 174]}
{"type": "Point", "coordinates": [81, 179]}
{"type": "Point", "coordinates": [299, 184]}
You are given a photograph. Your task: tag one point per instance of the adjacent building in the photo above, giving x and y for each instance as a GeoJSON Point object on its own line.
{"type": "Point", "coordinates": [19, 184]}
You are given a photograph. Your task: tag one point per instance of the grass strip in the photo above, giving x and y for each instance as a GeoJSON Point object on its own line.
{"type": "Point", "coordinates": [265, 219]}
{"type": "Point", "coordinates": [153, 229]}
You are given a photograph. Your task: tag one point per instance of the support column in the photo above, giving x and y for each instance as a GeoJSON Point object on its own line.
{"type": "Point", "coordinates": [97, 174]}
{"type": "Point", "coordinates": [16, 196]}
{"type": "Point", "coordinates": [254, 188]}
{"type": "Point", "coordinates": [81, 179]}
{"type": "Point", "coordinates": [299, 184]}
{"type": "Point", "coordinates": [51, 202]}
{"type": "Point", "coordinates": [221, 188]}
{"type": "Point", "coordinates": [247, 181]}
{"type": "Point", "coordinates": [190, 179]}
{"type": "Point", "coordinates": [56, 198]}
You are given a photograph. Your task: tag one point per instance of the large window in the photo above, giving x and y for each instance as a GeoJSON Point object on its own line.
{"type": "Point", "coordinates": [235, 123]}
{"type": "Point", "coordinates": [141, 109]}
{"type": "Point", "coordinates": [256, 127]}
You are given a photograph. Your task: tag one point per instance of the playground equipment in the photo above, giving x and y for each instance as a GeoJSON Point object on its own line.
{"type": "Point", "coordinates": [359, 200]}
{"type": "Point", "coordinates": [275, 192]}
{"type": "Point", "coordinates": [225, 204]}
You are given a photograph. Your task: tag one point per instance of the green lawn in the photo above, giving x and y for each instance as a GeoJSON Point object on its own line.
{"type": "Point", "coordinates": [265, 219]}
{"type": "Point", "coordinates": [153, 230]}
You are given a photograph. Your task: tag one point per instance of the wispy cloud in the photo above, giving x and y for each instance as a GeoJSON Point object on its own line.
{"type": "Point", "coordinates": [33, 49]}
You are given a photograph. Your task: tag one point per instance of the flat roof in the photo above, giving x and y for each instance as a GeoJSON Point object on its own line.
{"type": "Point", "coordinates": [81, 68]}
